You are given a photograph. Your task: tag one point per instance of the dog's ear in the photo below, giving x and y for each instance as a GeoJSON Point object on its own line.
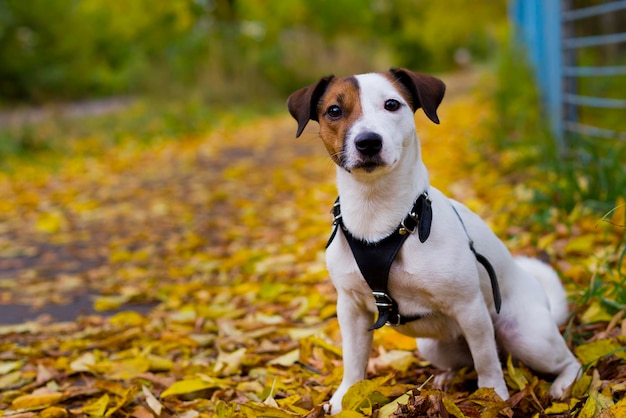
{"type": "Point", "coordinates": [426, 91]}
{"type": "Point", "coordinates": [302, 103]}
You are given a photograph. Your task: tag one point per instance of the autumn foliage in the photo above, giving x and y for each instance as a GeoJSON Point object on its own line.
{"type": "Point", "coordinates": [205, 260]}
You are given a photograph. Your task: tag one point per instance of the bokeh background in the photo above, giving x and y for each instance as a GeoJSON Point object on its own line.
{"type": "Point", "coordinates": [172, 69]}
{"type": "Point", "coordinates": [227, 50]}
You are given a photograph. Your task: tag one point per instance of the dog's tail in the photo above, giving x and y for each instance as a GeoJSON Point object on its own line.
{"type": "Point", "coordinates": [551, 284]}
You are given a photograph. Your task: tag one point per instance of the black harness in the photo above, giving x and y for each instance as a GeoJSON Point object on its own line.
{"type": "Point", "coordinates": [375, 259]}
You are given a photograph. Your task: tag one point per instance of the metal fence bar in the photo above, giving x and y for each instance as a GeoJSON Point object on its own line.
{"type": "Point", "coordinates": [585, 41]}
{"type": "Point", "coordinates": [589, 130]}
{"type": "Point", "coordinates": [594, 101]}
{"type": "Point", "coordinates": [535, 21]}
{"type": "Point", "coordinates": [594, 10]}
{"type": "Point", "coordinates": [605, 71]}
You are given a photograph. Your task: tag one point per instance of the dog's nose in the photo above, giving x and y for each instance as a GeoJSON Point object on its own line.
{"type": "Point", "coordinates": [369, 143]}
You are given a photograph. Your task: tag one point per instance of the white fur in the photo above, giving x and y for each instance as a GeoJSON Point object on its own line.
{"type": "Point", "coordinates": [440, 277]}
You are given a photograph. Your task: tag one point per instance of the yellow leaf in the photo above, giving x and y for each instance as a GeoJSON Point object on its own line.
{"type": "Point", "coordinates": [229, 363]}
{"type": "Point", "coordinates": [97, 408]}
{"type": "Point", "coordinates": [287, 359]}
{"type": "Point", "coordinates": [10, 379]}
{"type": "Point", "coordinates": [54, 412]}
{"type": "Point", "coordinates": [128, 369]}
{"type": "Point", "coordinates": [581, 386]}
{"type": "Point", "coordinates": [350, 414]}
{"type": "Point", "coordinates": [109, 303]}
{"type": "Point", "coordinates": [596, 312]}
{"type": "Point", "coordinates": [254, 409]}
{"type": "Point", "coordinates": [115, 388]}
{"type": "Point", "coordinates": [192, 385]}
{"type": "Point", "coordinates": [514, 374]}
{"type": "Point", "coordinates": [36, 401]}
{"type": "Point", "coordinates": [396, 359]}
{"type": "Point", "coordinates": [557, 408]}
{"type": "Point", "coordinates": [591, 352]}
{"type": "Point", "coordinates": [9, 366]}
{"type": "Point", "coordinates": [50, 222]}
{"type": "Point", "coordinates": [617, 410]}
{"type": "Point", "coordinates": [359, 393]}
{"type": "Point", "coordinates": [84, 363]}
{"type": "Point", "coordinates": [581, 245]}
{"type": "Point", "coordinates": [452, 408]}
{"type": "Point", "coordinates": [128, 318]}
{"type": "Point", "coordinates": [389, 409]}
{"type": "Point", "coordinates": [252, 387]}
{"type": "Point", "coordinates": [159, 364]}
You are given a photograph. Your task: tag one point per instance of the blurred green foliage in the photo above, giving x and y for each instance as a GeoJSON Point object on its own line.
{"type": "Point", "coordinates": [589, 171]}
{"type": "Point", "coordinates": [64, 49]}
{"type": "Point", "coordinates": [226, 50]}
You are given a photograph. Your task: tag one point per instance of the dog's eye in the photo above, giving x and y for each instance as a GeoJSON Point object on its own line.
{"type": "Point", "coordinates": [334, 112]}
{"type": "Point", "coordinates": [392, 105]}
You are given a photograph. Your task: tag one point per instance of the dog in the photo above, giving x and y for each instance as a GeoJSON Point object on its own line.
{"type": "Point", "coordinates": [452, 284]}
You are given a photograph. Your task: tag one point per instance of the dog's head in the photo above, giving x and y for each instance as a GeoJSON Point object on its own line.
{"type": "Point", "coordinates": [366, 120]}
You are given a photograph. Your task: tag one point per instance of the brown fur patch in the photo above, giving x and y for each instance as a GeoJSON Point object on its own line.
{"type": "Point", "coordinates": [406, 94]}
{"type": "Point", "coordinates": [343, 92]}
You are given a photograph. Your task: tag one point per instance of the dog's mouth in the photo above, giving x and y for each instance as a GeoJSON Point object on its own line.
{"type": "Point", "coordinates": [368, 166]}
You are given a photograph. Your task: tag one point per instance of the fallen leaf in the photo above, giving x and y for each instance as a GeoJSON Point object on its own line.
{"type": "Point", "coordinates": [152, 401]}
{"type": "Point", "coordinates": [36, 401]}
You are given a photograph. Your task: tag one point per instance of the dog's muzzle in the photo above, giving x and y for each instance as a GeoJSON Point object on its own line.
{"type": "Point", "coordinates": [369, 146]}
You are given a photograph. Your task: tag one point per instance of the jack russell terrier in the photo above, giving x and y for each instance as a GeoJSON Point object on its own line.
{"type": "Point", "coordinates": [421, 261]}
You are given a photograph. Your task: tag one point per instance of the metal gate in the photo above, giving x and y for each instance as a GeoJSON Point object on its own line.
{"type": "Point", "coordinates": [549, 31]}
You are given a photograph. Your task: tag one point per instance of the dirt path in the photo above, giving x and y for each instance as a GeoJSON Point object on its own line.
{"type": "Point", "coordinates": [36, 114]}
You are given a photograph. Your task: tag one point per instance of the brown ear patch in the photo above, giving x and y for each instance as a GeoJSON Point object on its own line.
{"type": "Point", "coordinates": [303, 103]}
{"type": "Point", "coordinates": [345, 93]}
{"type": "Point", "coordinates": [424, 91]}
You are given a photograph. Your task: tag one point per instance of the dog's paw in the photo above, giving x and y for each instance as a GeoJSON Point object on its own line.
{"type": "Point", "coordinates": [441, 380]}
{"type": "Point", "coordinates": [563, 383]}
{"type": "Point", "coordinates": [334, 407]}
{"type": "Point", "coordinates": [558, 391]}
{"type": "Point", "coordinates": [502, 391]}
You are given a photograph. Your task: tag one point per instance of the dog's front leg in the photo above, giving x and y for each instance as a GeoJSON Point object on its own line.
{"type": "Point", "coordinates": [476, 325]}
{"type": "Point", "coordinates": [354, 321]}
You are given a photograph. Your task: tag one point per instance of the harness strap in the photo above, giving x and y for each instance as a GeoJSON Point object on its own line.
{"type": "Point", "coordinates": [375, 259]}
{"type": "Point", "coordinates": [495, 287]}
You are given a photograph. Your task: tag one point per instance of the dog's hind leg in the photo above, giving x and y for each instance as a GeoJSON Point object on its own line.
{"type": "Point", "coordinates": [535, 340]}
{"type": "Point", "coordinates": [526, 328]}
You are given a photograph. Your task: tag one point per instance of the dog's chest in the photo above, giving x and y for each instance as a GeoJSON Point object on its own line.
{"type": "Point", "coordinates": [412, 299]}
{"type": "Point", "coordinates": [410, 281]}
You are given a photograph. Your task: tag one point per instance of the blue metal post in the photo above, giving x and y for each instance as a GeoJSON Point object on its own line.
{"type": "Point", "coordinates": [538, 25]}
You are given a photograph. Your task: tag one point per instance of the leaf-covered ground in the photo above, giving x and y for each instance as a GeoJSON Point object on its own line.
{"type": "Point", "coordinates": [216, 243]}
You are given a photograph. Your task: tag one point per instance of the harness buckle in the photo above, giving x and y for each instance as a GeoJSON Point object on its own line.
{"type": "Point", "coordinates": [383, 300]}
{"type": "Point", "coordinates": [404, 229]}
